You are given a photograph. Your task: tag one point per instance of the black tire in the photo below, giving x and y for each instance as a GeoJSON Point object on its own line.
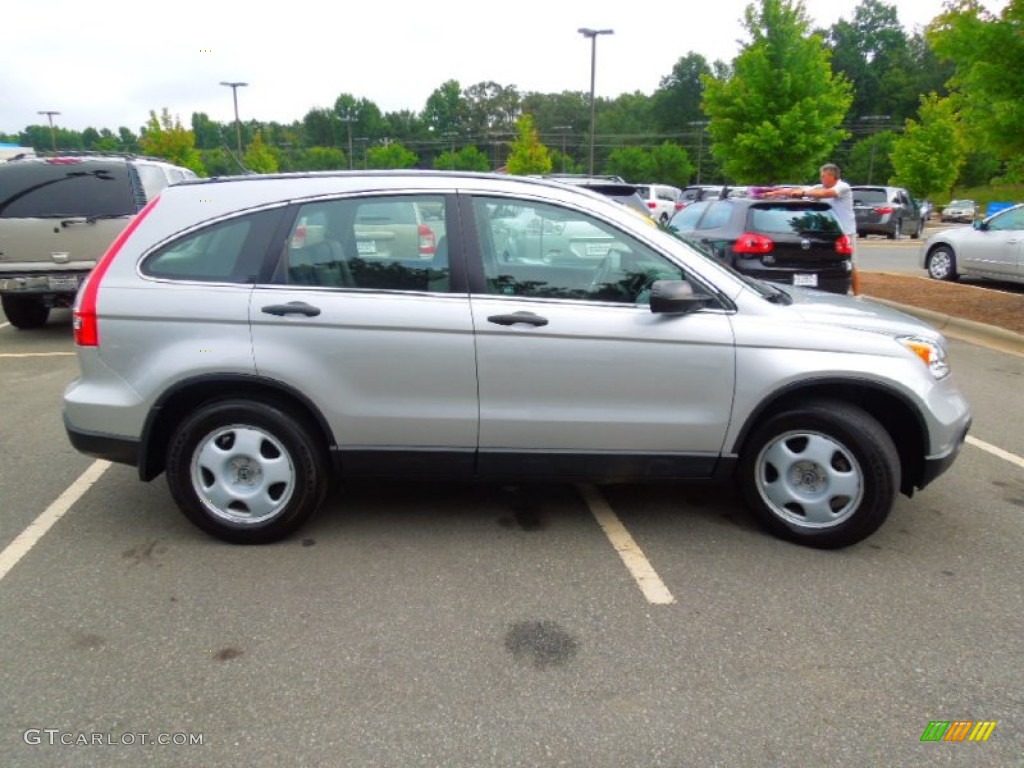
{"type": "Point", "coordinates": [795, 496]}
{"type": "Point", "coordinates": [897, 231]}
{"type": "Point", "coordinates": [919, 231]}
{"type": "Point", "coordinates": [246, 471]}
{"type": "Point", "coordinates": [941, 264]}
{"type": "Point", "coordinates": [25, 312]}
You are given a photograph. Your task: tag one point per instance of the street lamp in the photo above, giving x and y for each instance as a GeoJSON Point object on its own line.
{"type": "Point", "coordinates": [238, 128]}
{"type": "Point", "coordinates": [879, 121]}
{"type": "Point", "coordinates": [592, 34]}
{"type": "Point", "coordinates": [702, 124]}
{"type": "Point", "coordinates": [53, 136]}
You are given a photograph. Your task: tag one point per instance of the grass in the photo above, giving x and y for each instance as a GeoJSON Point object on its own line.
{"type": "Point", "coordinates": [1007, 193]}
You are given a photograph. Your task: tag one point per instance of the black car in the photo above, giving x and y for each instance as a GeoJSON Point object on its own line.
{"type": "Point", "coordinates": [610, 186]}
{"type": "Point", "coordinates": [785, 241]}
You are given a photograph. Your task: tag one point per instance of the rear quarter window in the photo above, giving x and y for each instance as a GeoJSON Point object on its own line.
{"type": "Point", "coordinates": [226, 252]}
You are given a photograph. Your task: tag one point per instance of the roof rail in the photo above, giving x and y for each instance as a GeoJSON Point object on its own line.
{"type": "Point", "coordinates": [99, 153]}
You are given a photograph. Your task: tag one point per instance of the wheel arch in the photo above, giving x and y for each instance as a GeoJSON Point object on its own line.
{"type": "Point", "coordinates": [187, 395]}
{"type": "Point", "coordinates": [891, 409]}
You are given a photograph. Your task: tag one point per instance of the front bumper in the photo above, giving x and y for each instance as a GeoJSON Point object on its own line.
{"type": "Point", "coordinates": [936, 465]}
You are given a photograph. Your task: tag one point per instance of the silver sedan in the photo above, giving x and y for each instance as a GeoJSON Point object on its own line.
{"type": "Point", "coordinates": [992, 248]}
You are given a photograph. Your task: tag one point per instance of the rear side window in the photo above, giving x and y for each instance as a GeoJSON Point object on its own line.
{"type": "Point", "coordinates": [64, 188]}
{"type": "Point", "coordinates": [380, 243]}
{"type": "Point", "coordinates": [226, 252]}
{"type": "Point", "coordinates": [788, 220]}
{"type": "Point", "coordinates": [718, 215]}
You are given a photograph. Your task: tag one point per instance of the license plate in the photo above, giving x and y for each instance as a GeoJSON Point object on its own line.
{"type": "Point", "coordinates": [63, 283]}
{"type": "Point", "coordinates": [809, 281]}
{"type": "Point", "coordinates": [366, 246]}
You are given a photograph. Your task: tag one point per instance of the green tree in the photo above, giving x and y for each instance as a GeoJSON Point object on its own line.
{"type": "Point", "coordinates": [258, 156]}
{"type": "Point", "coordinates": [528, 155]}
{"type": "Point", "coordinates": [392, 155]}
{"type": "Point", "coordinates": [677, 102]}
{"type": "Point", "coordinates": [870, 159]}
{"type": "Point", "coordinates": [630, 163]}
{"type": "Point", "coordinates": [466, 159]}
{"type": "Point", "coordinates": [988, 53]}
{"type": "Point", "coordinates": [928, 156]}
{"type": "Point", "coordinates": [165, 137]}
{"type": "Point", "coordinates": [208, 133]}
{"type": "Point", "coordinates": [319, 159]}
{"type": "Point", "coordinates": [446, 109]}
{"type": "Point", "coordinates": [779, 113]}
{"type": "Point", "coordinates": [670, 164]}
{"type": "Point", "coordinates": [491, 108]}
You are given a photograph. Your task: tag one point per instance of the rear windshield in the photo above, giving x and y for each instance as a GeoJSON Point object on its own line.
{"type": "Point", "coordinates": [789, 219]}
{"type": "Point", "coordinates": [878, 195]}
{"type": "Point", "coordinates": [67, 188]}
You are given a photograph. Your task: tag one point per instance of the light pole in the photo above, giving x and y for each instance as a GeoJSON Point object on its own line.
{"type": "Point", "coordinates": [238, 127]}
{"type": "Point", "coordinates": [53, 136]}
{"type": "Point", "coordinates": [879, 121]}
{"type": "Point", "coordinates": [592, 34]}
{"type": "Point", "coordinates": [701, 124]}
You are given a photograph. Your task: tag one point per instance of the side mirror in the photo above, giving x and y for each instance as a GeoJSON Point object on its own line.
{"type": "Point", "coordinates": [979, 224]}
{"type": "Point", "coordinates": [675, 297]}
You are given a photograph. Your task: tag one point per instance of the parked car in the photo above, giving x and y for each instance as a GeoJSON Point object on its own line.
{"type": "Point", "coordinates": [785, 241]}
{"type": "Point", "coordinates": [960, 210]}
{"type": "Point", "coordinates": [889, 211]}
{"type": "Point", "coordinates": [927, 209]}
{"type": "Point", "coordinates": [609, 186]}
{"type": "Point", "coordinates": [214, 350]}
{"type": "Point", "coordinates": [661, 200]}
{"type": "Point", "coordinates": [992, 248]}
{"type": "Point", "coordinates": [57, 217]}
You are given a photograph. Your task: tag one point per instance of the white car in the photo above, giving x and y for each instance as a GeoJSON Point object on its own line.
{"type": "Point", "coordinates": [660, 199]}
{"type": "Point", "coordinates": [992, 248]}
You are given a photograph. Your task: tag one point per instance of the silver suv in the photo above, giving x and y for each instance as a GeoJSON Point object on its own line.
{"type": "Point", "coordinates": [239, 338]}
{"type": "Point", "coordinates": [57, 217]}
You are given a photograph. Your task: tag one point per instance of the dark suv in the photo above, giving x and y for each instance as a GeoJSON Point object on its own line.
{"type": "Point", "coordinates": [784, 241]}
{"type": "Point", "coordinates": [57, 217]}
{"type": "Point", "coordinates": [889, 211]}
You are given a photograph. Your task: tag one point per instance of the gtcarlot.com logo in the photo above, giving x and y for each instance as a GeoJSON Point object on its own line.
{"type": "Point", "coordinates": [958, 730]}
{"type": "Point", "coordinates": [55, 736]}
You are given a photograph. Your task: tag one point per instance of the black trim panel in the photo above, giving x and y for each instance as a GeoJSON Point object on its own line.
{"type": "Point", "coordinates": [935, 467]}
{"type": "Point", "coordinates": [121, 450]}
{"type": "Point", "coordinates": [524, 465]}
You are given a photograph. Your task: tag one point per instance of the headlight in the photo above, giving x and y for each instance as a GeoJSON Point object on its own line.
{"type": "Point", "coordinates": [932, 354]}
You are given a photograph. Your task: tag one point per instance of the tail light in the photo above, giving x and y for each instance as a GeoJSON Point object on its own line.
{"type": "Point", "coordinates": [844, 245]}
{"type": "Point", "coordinates": [652, 206]}
{"type": "Point", "coordinates": [85, 322]}
{"type": "Point", "coordinates": [884, 210]}
{"type": "Point", "coordinates": [751, 245]}
{"type": "Point", "coordinates": [428, 242]}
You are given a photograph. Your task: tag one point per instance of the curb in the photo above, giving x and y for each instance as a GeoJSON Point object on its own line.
{"type": "Point", "coordinates": [982, 334]}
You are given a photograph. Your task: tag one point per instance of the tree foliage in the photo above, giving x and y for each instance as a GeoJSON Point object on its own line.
{"type": "Point", "coordinates": [392, 155]}
{"type": "Point", "coordinates": [465, 159]}
{"type": "Point", "coordinates": [165, 137]}
{"type": "Point", "coordinates": [528, 155]}
{"type": "Point", "coordinates": [677, 102]}
{"type": "Point", "coordinates": [779, 114]}
{"type": "Point", "coordinates": [928, 156]}
{"type": "Point", "coordinates": [258, 156]}
{"type": "Point", "coordinates": [988, 53]}
{"type": "Point", "coordinates": [667, 163]}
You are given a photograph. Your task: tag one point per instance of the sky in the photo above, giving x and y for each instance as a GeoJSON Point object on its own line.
{"type": "Point", "coordinates": [109, 65]}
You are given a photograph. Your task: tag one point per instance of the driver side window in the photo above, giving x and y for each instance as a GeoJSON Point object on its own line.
{"type": "Point", "coordinates": [543, 251]}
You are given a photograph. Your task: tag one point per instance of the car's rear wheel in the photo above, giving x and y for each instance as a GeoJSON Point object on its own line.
{"type": "Point", "coordinates": [25, 312]}
{"type": "Point", "coordinates": [919, 231]}
{"type": "Point", "coordinates": [897, 230]}
{"type": "Point", "coordinates": [942, 263]}
{"type": "Point", "coordinates": [824, 474]}
{"type": "Point", "coordinates": [246, 471]}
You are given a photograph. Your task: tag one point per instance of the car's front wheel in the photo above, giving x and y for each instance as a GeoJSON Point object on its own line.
{"type": "Point", "coordinates": [246, 471]}
{"type": "Point", "coordinates": [25, 312]}
{"type": "Point", "coordinates": [942, 263]}
{"type": "Point", "coordinates": [824, 474]}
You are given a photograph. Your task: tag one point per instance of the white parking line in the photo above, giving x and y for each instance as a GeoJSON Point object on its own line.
{"type": "Point", "coordinates": [1005, 455]}
{"type": "Point", "coordinates": [4, 325]}
{"type": "Point", "coordinates": [28, 538]}
{"type": "Point", "coordinates": [37, 354]}
{"type": "Point", "coordinates": [636, 562]}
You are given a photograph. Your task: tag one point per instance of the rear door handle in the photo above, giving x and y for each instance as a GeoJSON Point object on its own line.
{"type": "Point", "coordinates": [292, 308]}
{"type": "Point", "coordinates": [518, 317]}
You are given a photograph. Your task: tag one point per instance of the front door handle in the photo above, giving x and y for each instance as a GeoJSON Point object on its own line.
{"type": "Point", "coordinates": [518, 317]}
{"type": "Point", "coordinates": [292, 308]}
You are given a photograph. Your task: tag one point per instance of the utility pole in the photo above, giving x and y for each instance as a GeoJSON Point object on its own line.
{"type": "Point", "coordinates": [53, 135]}
{"type": "Point", "coordinates": [238, 126]}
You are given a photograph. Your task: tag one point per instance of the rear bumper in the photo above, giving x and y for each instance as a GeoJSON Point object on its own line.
{"type": "Point", "coordinates": [836, 279]}
{"type": "Point", "coordinates": [48, 283]}
{"type": "Point", "coordinates": [120, 450]}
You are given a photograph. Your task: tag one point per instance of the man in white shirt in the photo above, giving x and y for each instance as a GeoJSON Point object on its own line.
{"type": "Point", "coordinates": [837, 193]}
